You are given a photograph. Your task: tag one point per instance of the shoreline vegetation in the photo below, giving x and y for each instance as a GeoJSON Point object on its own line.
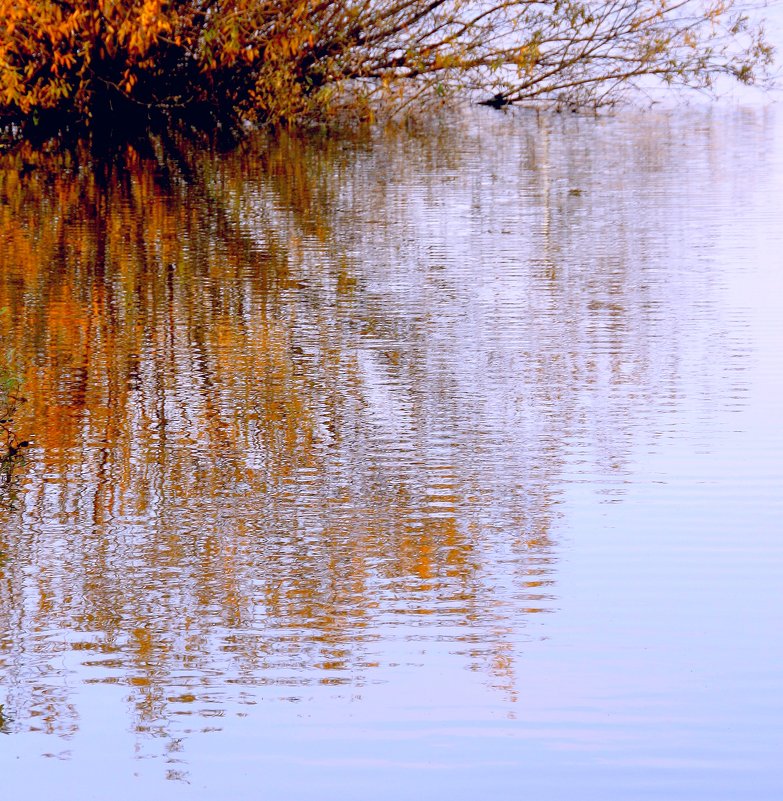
{"type": "Point", "coordinates": [70, 66]}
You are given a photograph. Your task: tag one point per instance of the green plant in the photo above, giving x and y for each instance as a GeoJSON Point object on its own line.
{"type": "Point", "coordinates": [10, 400]}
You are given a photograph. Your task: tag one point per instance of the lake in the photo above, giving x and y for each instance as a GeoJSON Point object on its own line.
{"type": "Point", "coordinates": [435, 463]}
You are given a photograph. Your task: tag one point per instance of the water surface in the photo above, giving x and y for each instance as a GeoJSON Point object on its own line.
{"type": "Point", "coordinates": [432, 464]}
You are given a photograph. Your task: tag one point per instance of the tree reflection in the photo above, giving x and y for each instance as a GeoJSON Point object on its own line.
{"type": "Point", "coordinates": [261, 454]}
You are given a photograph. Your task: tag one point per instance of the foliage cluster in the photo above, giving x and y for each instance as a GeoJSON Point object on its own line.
{"type": "Point", "coordinates": [98, 61]}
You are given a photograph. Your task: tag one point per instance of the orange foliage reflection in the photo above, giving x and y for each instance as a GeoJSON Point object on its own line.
{"type": "Point", "coordinates": [244, 471]}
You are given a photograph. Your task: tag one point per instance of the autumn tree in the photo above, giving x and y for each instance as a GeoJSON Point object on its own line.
{"type": "Point", "coordinates": [93, 61]}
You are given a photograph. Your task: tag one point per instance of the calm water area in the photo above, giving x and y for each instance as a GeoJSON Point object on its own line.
{"type": "Point", "coordinates": [434, 464]}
